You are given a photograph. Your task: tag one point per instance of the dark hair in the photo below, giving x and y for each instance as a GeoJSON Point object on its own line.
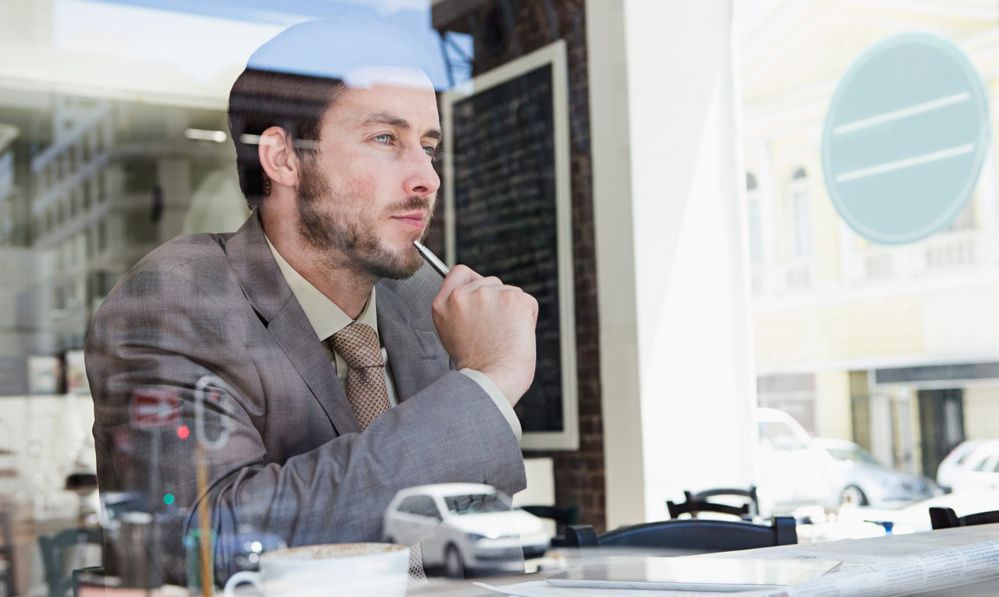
{"type": "Point", "coordinates": [261, 99]}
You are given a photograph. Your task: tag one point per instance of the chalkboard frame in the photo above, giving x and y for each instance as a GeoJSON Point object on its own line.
{"type": "Point", "coordinates": [553, 55]}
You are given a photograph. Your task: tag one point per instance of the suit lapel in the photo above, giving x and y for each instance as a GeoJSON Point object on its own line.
{"type": "Point", "coordinates": [268, 292]}
{"type": "Point", "coordinates": [291, 329]}
{"type": "Point", "coordinates": [415, 356]}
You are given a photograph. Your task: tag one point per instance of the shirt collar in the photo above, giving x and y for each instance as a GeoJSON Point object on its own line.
{"type": "Point", "coordinates": [323, 314]}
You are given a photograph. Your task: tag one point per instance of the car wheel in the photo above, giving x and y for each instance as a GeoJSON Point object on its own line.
{"type": "Point", "coordinates": [852, 496]}
{"type": "Point", "coordinates": [453, 564]}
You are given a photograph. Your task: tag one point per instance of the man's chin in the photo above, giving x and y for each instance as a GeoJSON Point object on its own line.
{"type": "Point", "coordinates": [412, 266]}
{"type": "Point", "coordinates": [395, 266]}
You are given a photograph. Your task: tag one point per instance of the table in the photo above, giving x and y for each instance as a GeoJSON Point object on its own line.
{"type": "Point", "coordinates": [849, 551]}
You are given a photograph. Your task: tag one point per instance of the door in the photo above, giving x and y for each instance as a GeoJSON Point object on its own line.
{"type": "Point", "coordinates": [904, 448]}
{"type": "Point", "coordinates": [941, 425]}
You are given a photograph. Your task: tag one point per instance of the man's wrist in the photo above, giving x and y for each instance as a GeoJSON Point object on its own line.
{"type": "Point", "coordinates": [497, 396]}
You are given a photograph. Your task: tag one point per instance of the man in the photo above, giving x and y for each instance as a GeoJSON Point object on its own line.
{"type": "Point", "coordinates": [308, 367]}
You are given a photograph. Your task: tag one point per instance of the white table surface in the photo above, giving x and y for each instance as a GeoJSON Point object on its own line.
{"type": "Point", "coordinates": [849, 551]}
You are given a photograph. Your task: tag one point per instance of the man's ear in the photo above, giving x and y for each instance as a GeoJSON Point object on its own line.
{"type": "Point", "coordinates": [278, 158]}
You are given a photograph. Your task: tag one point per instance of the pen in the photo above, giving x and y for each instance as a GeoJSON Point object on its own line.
{"type": "Point", "coordinates": [434, 261]}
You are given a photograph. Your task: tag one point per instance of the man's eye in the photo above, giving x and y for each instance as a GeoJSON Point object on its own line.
{"type": "Point", "coordinates": [430, 149]}
{"type": "Point", "coordinates": [384, 139]}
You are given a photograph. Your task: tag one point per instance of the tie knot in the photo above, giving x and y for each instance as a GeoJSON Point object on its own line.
{"type": "Point", "coordinates": [358, 345]}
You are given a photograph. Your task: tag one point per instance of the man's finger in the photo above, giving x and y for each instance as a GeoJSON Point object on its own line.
{"type": "Point", "coordinates": [459, 276]}
{"type": "Point", "coordinates": [481, 282]}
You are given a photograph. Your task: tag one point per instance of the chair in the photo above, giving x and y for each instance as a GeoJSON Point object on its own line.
{"type": "Point", "coordinates": [8, 573]}
{"type": "Point", "coordinates": [695, 503]}
{"type": "Point", "coordinates": [563, 518]}
{"type": "Point", "coordinates": [946, 518]}
{"type": "Point", "coordinates": [55, 550]}
{"type": "Point", "coordinates": [691, 535]}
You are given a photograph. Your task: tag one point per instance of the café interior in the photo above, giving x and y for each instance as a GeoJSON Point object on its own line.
{"type": "Point", "coordinates": [763, 236]}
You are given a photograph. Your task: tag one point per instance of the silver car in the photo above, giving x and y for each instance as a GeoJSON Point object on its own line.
{"type": "Point", "coordinates": [867, 482]}
{"type": "Point", "coordinates": [465, 528]}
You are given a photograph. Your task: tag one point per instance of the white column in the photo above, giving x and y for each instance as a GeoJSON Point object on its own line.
{"type": "Point", "coordinates": [672, 264]}
{"type": "Point", "coordinates": [985, 223]}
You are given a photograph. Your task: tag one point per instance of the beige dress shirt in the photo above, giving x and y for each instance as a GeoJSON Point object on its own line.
{"type": "Point", "coordinates": [327, 319]}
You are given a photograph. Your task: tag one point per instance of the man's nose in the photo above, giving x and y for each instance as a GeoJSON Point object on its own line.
{"type": "Point", "coordinates": [421, 178]}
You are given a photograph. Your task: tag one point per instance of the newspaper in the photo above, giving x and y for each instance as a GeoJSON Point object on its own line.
{"type": "Point", "coordinates": [861, 574]}
{"type": "Point", "coordinates": [940, 569]}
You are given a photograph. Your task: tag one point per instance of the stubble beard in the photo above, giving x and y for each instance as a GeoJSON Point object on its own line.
{"type": "Point", "coordinates": [343, 238]}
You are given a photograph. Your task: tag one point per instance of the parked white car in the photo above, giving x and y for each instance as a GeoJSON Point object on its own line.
{"type": "Point", "coordinates": [868, 482]}
{"type": "Point", "coordinates": [972, 465]}
{"type": "Point", "coordinates": [465, 527]}
{"type": "Point", "coordinates": [797, 470]}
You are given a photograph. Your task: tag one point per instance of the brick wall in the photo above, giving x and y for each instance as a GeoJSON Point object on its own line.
{"type": "Point", "coordinates": [504, 30]}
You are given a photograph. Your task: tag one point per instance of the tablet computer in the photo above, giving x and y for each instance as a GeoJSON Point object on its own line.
{"type": "Point", "coordinates": [692, 573]}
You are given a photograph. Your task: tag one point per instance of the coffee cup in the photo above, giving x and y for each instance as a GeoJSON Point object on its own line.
{"type": "Point", "coordinates": [342, 569]}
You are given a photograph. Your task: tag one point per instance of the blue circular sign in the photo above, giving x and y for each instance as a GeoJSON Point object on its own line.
{"type": "Point", "coordinates": [905, 138]}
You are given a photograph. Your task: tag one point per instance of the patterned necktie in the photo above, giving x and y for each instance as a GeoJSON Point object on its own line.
{"type": "Point", "coordinates": [358, 345]}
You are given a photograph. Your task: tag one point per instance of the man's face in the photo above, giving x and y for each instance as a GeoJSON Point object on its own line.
{"type": "Point", "coordinates": [369, 191]}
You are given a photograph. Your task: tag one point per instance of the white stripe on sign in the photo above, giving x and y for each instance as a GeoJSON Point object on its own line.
{"type": "Point", "coordinates": [901, 113]}
{"type": "Point", "coordinates": [906, 163]}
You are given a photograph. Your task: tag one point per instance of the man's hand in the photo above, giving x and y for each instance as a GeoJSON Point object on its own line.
{"type": "Point", "coordinates": [488, 326]}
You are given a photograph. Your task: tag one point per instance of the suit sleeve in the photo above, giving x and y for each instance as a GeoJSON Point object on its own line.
{"type": "Point", "coordinates": [158, 334]}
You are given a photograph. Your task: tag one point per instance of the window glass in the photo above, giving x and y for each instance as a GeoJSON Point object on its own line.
{"type": "Point", "coordinates": [420, 505]}
{"type": "Point", "coordinates": [427, 507]}
{"type": "Point", "coordinates": [410, 505]}
{"type": "Point", "coordinates": [853, 455]}
{"type": "Point", "coordinates": [986, 464]}
{"type": "Point", "coordinates": [477, 503]}
{"type": "Point", "coordinates": [894, 328]}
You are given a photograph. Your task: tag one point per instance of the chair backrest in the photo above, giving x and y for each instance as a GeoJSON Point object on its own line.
{"type": "Point", "coordinates": [750, 495]}
{"type": "Point", "coordinates": [55, 549]}
{"type": "Point", "coordinates": [946, 518]}
{"type": "Point", "coordinates": [561, 516]}
{"type": "Point", "coordinates": [7, 553]}
{"type": "Point", "coordinates": [692, 535]}
{"type": "Point", "coordinates": [695, 503]}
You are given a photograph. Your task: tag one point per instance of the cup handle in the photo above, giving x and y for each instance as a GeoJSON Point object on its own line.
{"type": "Point", "coordinates": [240, 577]}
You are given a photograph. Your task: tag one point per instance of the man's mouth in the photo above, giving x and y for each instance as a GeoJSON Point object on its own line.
{"type": "Point", "coordinates": [415, 219]}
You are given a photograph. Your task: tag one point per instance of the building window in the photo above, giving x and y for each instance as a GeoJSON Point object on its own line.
{"type": "Point", "coordinates": [801, 225]}
{"type": "Point", "coordinates": [102, 185]}
{"type": "Point", "coordinates": [102, 236]}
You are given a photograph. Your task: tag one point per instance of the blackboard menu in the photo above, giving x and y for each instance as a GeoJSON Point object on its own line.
{"type": "Point", "coordinates": [505, 214]}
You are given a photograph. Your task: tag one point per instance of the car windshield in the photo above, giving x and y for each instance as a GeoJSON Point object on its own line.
{"type": "Point", "coordinates": [477, 503]}
{"type": "Point", "coordinates": [854, 454]}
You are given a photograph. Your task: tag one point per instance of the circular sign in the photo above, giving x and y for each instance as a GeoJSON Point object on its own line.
{"type": "Point", "coordinates": [905, 138]}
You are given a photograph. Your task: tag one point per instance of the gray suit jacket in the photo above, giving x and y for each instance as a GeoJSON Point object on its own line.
{"type": "Point", "coordinates": [294, 464]}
